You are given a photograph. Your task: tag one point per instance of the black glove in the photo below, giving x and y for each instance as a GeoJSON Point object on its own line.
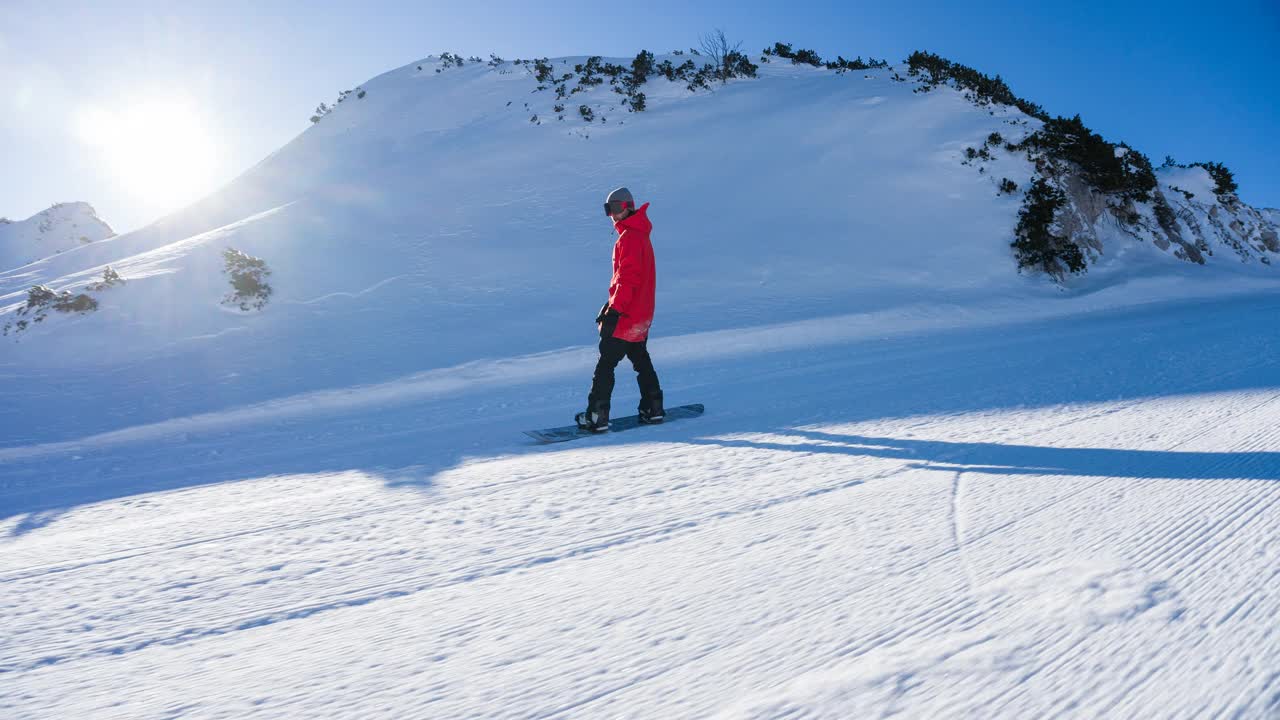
{"type": "Point", "coordinates": [607, 320]}
{"type": "Point", "coordinates": [605, 312]}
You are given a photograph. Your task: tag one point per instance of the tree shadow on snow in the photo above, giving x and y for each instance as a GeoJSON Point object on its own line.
{"type": "Point", "coordinates": [1001, 459]}
{"type": "Point", "coordinates": [1145, 353]}
{"type": "Point", "coordinates": [40, 491]}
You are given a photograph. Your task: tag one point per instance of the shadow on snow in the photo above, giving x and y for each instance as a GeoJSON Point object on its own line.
{"type": "Point", "coordinates": [1143, 353]}
{"type": "Point", "coordinates": [1000, 459]}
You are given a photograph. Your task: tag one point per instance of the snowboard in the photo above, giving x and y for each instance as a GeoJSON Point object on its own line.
{"type": "Point", "coordinates": [573, 432]}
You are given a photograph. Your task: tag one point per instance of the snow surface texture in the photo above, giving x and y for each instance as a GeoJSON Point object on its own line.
{"type": "Point", "coordinates": [60, 228]}
{"type": "Point", "coordinates": [1024, 521]}
{"type": "Point", "coordinates": [925, 484]}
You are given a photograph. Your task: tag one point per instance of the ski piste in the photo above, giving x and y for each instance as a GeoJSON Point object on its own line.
{"type": "Point", "coordinates": [573, 432]}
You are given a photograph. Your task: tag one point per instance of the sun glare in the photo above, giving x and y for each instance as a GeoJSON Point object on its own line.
{"type": "Point", "coordinates": [159, 151]}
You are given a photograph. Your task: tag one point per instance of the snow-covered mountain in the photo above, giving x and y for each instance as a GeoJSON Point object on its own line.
{"type": "Point", "coordinates": [62, 227]}
{"type": "Point", "coordinates": [437, 199]}
{"type": "Point", "coordinates": [926, 484]}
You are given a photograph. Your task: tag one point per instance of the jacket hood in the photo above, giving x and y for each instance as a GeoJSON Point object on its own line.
{"type": "Point", "coordinates": [639, 220]}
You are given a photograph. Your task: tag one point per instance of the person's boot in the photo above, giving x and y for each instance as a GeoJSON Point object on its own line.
{"type": "Point", "coordinates": [651, 412]}
{"type": "Point", "coordinates": [593, 421]}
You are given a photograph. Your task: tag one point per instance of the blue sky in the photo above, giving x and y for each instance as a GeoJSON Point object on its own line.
{"type": "Point", "coordinates": [1195, 80]}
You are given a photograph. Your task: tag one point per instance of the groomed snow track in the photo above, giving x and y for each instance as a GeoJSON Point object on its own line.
{"type": "Point", "coordinates": [1073, 518]}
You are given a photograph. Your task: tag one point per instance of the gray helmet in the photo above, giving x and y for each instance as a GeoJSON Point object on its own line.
{"type": "Point", "coordinates": [619, 200]}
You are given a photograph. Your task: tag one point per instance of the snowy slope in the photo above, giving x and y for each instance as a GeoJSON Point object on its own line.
{"type": "Point", "coordinates": [63, 227]}
{"type": "Point", "coordinates": [1026, 521]}
{"type": "Point", "coordinates": [432, 224]}
{"type": "Point", "coordinates": [926, 485]}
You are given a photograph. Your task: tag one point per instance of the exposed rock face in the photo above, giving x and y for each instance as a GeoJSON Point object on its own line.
{"type": "Point", "coordinates": [1080, 218]}
{"type": "Point", "coordinates": [1270, 239]}
{"type": "Point", "coordinates": [1184, 216]}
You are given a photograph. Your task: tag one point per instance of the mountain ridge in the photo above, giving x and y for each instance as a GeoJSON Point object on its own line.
{"type": "Point", "coordinates": [436, 204]}
{"type": "Point", "coordinates": [58, 228]}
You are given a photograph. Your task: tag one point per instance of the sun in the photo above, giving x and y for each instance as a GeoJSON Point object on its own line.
{"type": "Point", "coordinates": [159, 151]}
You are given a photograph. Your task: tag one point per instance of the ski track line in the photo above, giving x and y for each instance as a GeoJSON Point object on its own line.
{"type": "Point", "coordinates": [1150, 662]}
{"type": "Point", "coordinates": [1075, 650]}
{"type": "Point", "coordinates": [985, 534]}
{"type": "Point", "coordinates": [1149, 670]}
{"type": "Point", "coordinates": [1148, 549]}
{"type": "Point", "coordinates": [1144, 658]}
{"type": "Point", "coordinates": [886, 639]}
{"type": "Point", "coordinates": [848, 650]}
{"type": "Point", "coordinates": [514, 563]}
{"type": "Point", "coordinates": [147, 550]}
{"type": "Point", "coordinates": [1272, 702]}
{"type": "Point", "coordinates": [271, 452]}
{"type": "Point", "coordinates": [329, 446]}
{"type": "Point", "coordinates": [957, 538]}
{"type": "Point", "coordinates": [1152, 543]}
{"type": "Point", "coordinates": [929, 618]}
{"type": "Point", "coordinates": [510, 564]}
{"type": "Point", "coordinates": [1188, 569]}
{"type": "Point", "coordinates": [835, 363]}
{"type": "Point", "coordinates": [487, 489]}
{"type": "Point", "coordinates": [808, 493]}
{"type": "Point", "coordinates": [563, 475]}
{"type": "Point", "coordinates": [1048, 641]}
{"type": "Point", "coordinates": [872, 359]}
{"type": "Point", "coordinates": [792, 370]}
{"type": "Point", "coordinates": [1185, 531]}
{"type": "Point", "coordinates": [935, 617]}
{"type": "Point", "coordinates": [1251, 599]}
{"type": "Point", "coordinates": [1064, 656]}
{"type": "Point", "coordinates": [955, 613]}
{"type": "Point", "coordinates": [482, 490]}
{"type": "Point", "coordinates": [1220, 536]}
{"type": "Point", "coordinates": [570, 476]}
{"type": "Point", "coordinates": [348, 516]}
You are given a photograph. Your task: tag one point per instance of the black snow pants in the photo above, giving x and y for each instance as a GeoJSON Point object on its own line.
{"type": "Point", "coordinates": [612, 350]}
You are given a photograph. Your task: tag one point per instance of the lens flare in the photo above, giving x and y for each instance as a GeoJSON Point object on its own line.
{"type": "Point", "coordinates": [160, 151]}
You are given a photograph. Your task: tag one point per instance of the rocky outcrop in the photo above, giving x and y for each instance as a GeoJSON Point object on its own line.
{"type": "Point", "coordinates": [1195, 225]}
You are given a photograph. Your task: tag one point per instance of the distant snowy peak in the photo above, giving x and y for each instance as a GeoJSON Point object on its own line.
{"type": "Point", "coordinates": [58, 229]}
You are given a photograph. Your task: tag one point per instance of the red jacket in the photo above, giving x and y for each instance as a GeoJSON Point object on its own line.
{"type": "Point", "coordinates": [634, 279]}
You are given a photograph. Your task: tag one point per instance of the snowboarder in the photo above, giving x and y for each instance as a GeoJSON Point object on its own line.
{"type": "Point", "coordinates": [625, 319]}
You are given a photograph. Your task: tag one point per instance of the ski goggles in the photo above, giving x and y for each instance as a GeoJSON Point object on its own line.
{"type": "Point", "coordinates": [617, 206]}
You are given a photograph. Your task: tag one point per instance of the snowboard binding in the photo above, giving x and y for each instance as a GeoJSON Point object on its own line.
{"type": "Point", "coordinates": [593, 421]}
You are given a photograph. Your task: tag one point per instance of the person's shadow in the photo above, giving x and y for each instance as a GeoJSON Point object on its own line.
{"type": "Point", "coordinates": [999, 459]}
